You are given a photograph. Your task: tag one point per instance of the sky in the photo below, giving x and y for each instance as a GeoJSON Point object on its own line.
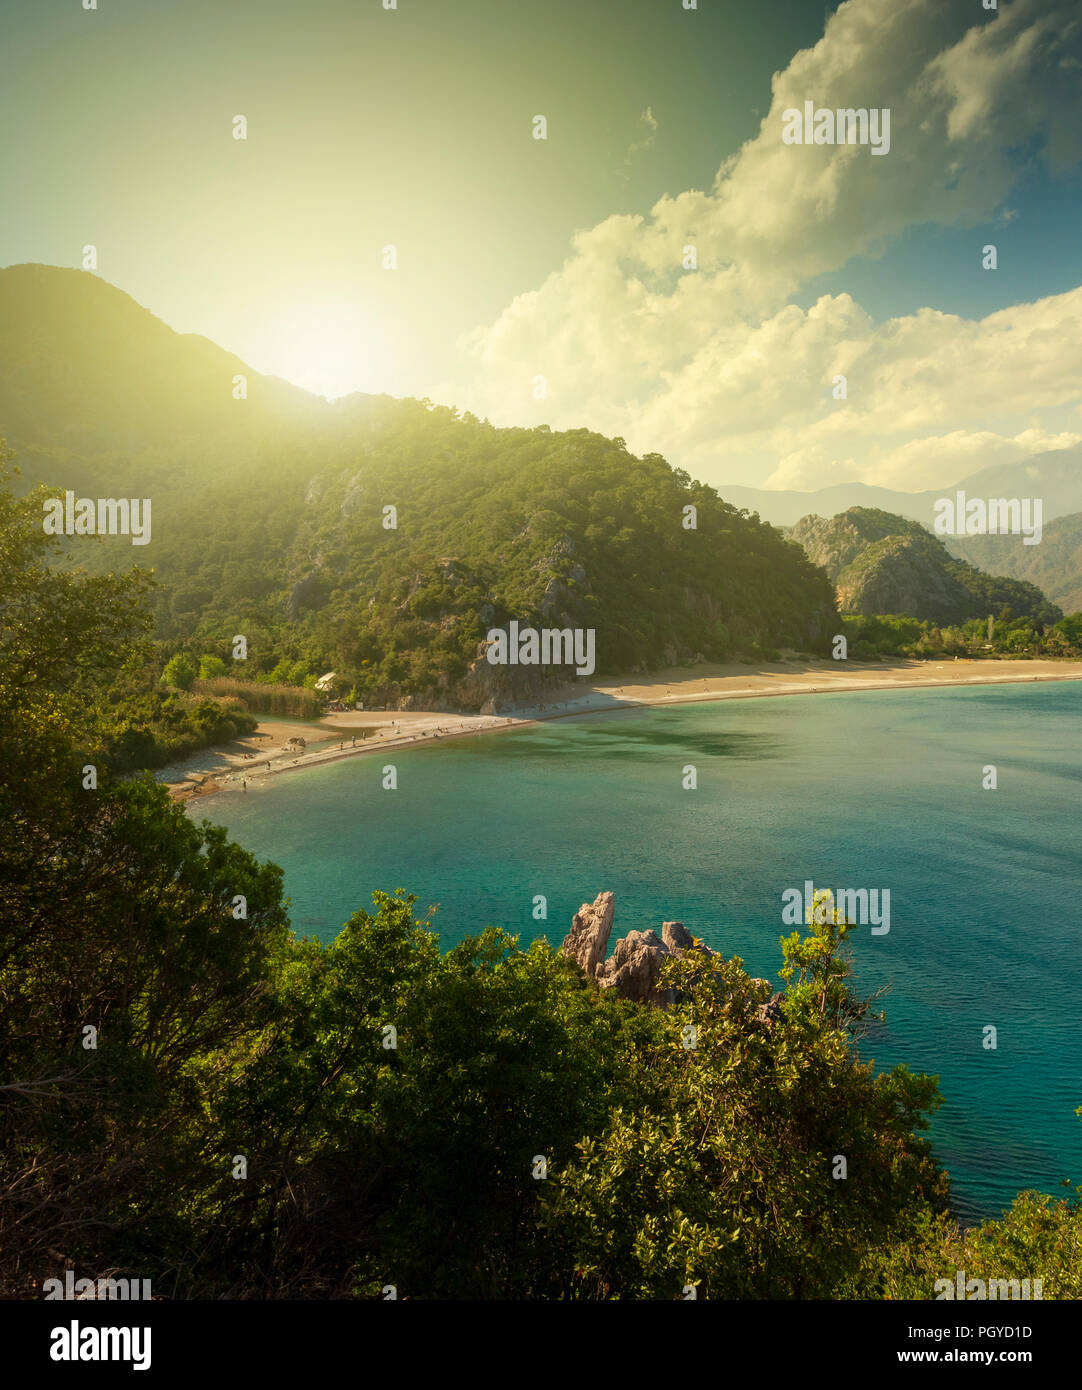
{"type": "Point", "coordinates": [544, 280]}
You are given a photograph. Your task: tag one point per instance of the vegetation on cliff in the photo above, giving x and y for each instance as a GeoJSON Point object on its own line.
{"type": "Point", "coordinates": [557, 530]}
{"type": "Point", "coordinates": [374, 537]}
{"type": "Point", "coordinates": [1055, 565]}
{"type": "Point", "coordinates": [883, 563]}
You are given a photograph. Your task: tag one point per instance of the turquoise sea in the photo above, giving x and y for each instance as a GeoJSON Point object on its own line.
{"type": "Point", "coordinates": [877, 789]}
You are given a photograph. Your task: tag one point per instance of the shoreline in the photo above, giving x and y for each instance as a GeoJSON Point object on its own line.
{"type": "Point", "coordinates": [257, 760]}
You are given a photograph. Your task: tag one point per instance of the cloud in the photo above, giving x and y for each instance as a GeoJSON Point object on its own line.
{"type": "Point", "coordinates": [719, 370]}
{"type": "Point", "coordinates": [645, 141]}
{"type": "Point", "coordinates": [925, 393]}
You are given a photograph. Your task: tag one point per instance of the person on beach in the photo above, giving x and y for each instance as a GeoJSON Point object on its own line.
{"type": "Point", "coordinates": [244, 784]}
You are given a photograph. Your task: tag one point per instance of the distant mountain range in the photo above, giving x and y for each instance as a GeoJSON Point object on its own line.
{"type": "Point", "coordinates": [1055, 477]}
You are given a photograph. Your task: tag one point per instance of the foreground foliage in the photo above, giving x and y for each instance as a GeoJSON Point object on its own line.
{"type": "Point", "coordinates": [191, 1095]}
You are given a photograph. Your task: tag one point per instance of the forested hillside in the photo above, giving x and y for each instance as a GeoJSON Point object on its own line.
{"type": "Point", "coordinates": [882, 563]}
{"type": "Point", "coordinates": [1055, 565]}
{"type": "Point", "coordinates": [566, 530]}
{"type": "Point", "coordinates": [378, 538]}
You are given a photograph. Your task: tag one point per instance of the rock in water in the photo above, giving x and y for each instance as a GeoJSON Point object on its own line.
{"type": "Point", "coordinates": [676, 936]}
{"type": "Point", "coordinates": [634, 969]}
{"type": "Point", "coordinates": [587, 942]}
{"type": "Point", "coordinates": [635, 966]}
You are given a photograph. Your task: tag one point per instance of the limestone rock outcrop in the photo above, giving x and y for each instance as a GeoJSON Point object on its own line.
{"type": "Point", "coordinates": [880, 562]}
{"type": "Point", "coordinates": [676, 936]}
{"type": "Point", "coordinates": [587, 942]}
{"type": "Point", "coordinates": [634, 969]}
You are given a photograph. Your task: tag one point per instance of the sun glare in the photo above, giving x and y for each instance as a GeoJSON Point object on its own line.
{"type": "Point", "coordinates": [330, 351]}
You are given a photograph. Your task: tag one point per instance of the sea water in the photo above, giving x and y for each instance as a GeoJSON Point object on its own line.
{"type": "Point", "coordinates": [874, 789]}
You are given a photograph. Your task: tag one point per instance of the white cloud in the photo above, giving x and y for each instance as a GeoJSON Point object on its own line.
{"type": "Point", "coordinates": [926, 394]}
{"type": "Point", "coordinates": [645, 141]}
{"type": "Point", "coordinates": [925, 462]}
{"type": "Point", "coordinates": [717, 370]}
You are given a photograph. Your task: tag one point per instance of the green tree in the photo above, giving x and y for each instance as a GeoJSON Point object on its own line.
{"type": "Point", "coordinates": [1071, 628]}
{"type": "Point", "coordinates": [63, 632]}
{"type": "Point", "coordinates": [120, 917]}
{"type": "Point", "coordinates": [499, 1055]}
{"type": "Point", "coordinates": [732, 1186]}
{"type": "Point", "coordinates": [180, 671]}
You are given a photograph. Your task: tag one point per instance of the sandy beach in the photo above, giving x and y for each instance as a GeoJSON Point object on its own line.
{"type": "Point", "coordinates": [738, 681]}
{"type": "Point", "coordinates": [266, 754]}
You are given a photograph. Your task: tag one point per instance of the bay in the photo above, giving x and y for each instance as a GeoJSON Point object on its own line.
{"type": "Point", "coordinates": [868, 789]}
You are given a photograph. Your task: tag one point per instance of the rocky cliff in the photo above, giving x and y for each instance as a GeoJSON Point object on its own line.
{"type": "Point", "coordinates": [834, 543]}
{"type": "Point", "coordinates": [904, 574]}
{"type": "Point", "coordinates": [882, 563]}
{"type": "Point", "coordinates": [634, 968]}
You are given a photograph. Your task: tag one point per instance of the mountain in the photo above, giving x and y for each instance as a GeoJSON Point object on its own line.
{"type": "Point", "coordinates": [784, 508]}
{"type": "Point", "coordinates": [489, 525]}
{"type": "Point", "coordinates": [1055, 477]}
{"type": "Point", "coordinates": [834, 544]}
{"type": "Point", "coordinates": [1055, 564]}
{"type": "Point", "coordinates": [89, 377]}
{"type": "Point", "coordinates": [882, 563]}
{"type": "Point", "coordinates": [379, 538]}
